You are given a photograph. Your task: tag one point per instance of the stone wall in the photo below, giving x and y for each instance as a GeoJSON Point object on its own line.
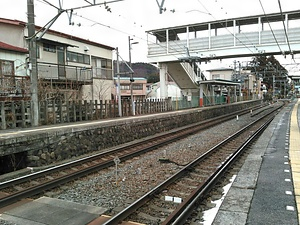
{"type": "Point", "coordinates": [54, 144]}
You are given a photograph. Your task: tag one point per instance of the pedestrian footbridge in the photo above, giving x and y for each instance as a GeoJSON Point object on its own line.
{"type": "Point", "coordinates": [181, 50]}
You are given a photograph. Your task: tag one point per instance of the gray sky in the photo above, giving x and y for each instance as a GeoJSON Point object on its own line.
{"type": "Point", "coordinates": [134, 17]}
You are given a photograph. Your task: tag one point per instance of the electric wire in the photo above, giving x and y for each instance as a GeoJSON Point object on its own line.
{"type": "Point", "coordinates": [118, 30]}
{"type": "Point", "coordinates": [183, 49]}
{"type": "Point", "coordinates": [96, 4]}
{"type": "Point", "coordinates": [270, 28]}
{"type": "Point", "coordinates": [45, 1]}
{"type": "Point", "coordinates": [226, 28]}
{"type": "Point", "coordinates": [270, 25]}
{"type": "Point", "coordinates": [229, 30]}
{"type": "Point", "coordinates": [147, 41]}
{"type": "Point", "coordinates": [88, 2]}
{"type": "Point", "coordinates": [285, 32]}
{"type": "Point", "coordinates": [133, 35]}
{"type": "Point", "coordinates": [253, 45]}
{"type": "Point", "coordinates": [244, 34]}
{"type": "Point", "coordinates": [110, 27]}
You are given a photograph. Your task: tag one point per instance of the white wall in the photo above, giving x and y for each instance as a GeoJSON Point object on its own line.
{"type": "Point", "coordinates": [18, 59]}
{"type": "Point", "coordinates": [80, 47]}
{"type": "Point", "coordinates": [173, 91]}
{"type": "Point", "coordinates": [13, 35]}
{"type": "Point", "coordinates": [100, 90]}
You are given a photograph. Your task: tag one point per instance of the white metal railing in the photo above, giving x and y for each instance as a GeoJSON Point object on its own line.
{"type": "Point", "coordinates": [103, 73]}
{"type": "Point", "coordinates": [75, 73]}
{"type": "Point", "coordinates": [55, 71]}
{"type": "Point", "coordinates": [223, 41]}
{"type": "Point", "coordinates": [190, 71]}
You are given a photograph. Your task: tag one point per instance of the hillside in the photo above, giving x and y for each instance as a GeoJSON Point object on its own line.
{"type": "Point", "coordinates": [145, 70]}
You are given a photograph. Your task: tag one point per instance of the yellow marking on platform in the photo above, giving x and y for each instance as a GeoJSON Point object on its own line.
{"type": "Point", "coordinates": [297, 191]}
{"type": "Point", "coordinates": [294, 153]}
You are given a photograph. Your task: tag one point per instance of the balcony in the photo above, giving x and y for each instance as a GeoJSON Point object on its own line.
{"type": "Point", "coordinates": [72, 73]}
{"type": "Point", "coordinates": [49, 71]}
{"type": "Point", "coordinates": [14, 87]}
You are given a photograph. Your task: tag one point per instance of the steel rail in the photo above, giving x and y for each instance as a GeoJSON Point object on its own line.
{"type": "Point", "coordinates": [181, 214]}
{"type": "Point", "coordinates": [180, 132]}
{"type": "Point", "coordinates": [201, 125]}
{"type": "Point", "coordinates": [122, 215]}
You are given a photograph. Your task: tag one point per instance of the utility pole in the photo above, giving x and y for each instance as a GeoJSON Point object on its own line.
{"type": "Point", "coordinates": [119, 85]}
{"type": "Point", "coordinates": [131, 76]}
{"type": "Point", "coordinates": [273, 95]}
{"type": "Point", "coordinates": [33, 64]}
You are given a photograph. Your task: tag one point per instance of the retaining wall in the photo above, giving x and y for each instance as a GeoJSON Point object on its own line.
{"type": "Point", "coordinates": [51, 144]}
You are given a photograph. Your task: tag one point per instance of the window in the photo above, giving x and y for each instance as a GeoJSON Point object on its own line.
{"type": "Point", "coordinates": [101, 63]}
{"type": "Point", "coordinates": [137, 87]}
{"type": "Point", "coordinates": [215, 76]}
{"type": "Point", "coordinates": [78, 58]}
{"type": "Point", "coordinates": [105, 63]}
{"type": "Point", "coordinates": [7, 79]}
{"type": "Point", "coordinates": [6, 68]}
{"type": "Point", "coordinates": [125, 87]}
{"type": "Point", "coordinates": [49, 47]}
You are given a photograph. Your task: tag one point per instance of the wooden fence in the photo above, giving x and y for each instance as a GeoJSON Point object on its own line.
{"type": "Point", "coordinates": [17, 114]}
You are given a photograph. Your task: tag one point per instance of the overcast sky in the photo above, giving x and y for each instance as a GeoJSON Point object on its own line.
{"type": "Point", "coordinates": [134, 17]}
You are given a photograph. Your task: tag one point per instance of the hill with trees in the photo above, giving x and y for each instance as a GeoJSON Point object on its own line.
{"type": "Point", "coordinates": [145, 70]}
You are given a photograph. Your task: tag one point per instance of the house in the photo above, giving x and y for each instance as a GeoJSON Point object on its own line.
{"type": "Point", "coordinates": [13, 72]}
{"type": "Point", "coordinates": [174, 92]}
{"type": "Point", "coordinates": [139, 88]}
{"type": "Point", "coordinates": [69, 67]}
{"type": "Point", "coordinates": [221, 73]}
{"type": "Point", "coordinates": [249, 82]}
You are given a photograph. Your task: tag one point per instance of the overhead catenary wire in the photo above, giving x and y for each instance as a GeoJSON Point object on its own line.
{"type": "Point", "coordinates": [244, 34]}
{"type": "Point", "coordinates": [110, 27]}
{"type": "Point", "coordinates": [130, 34]}
{"type": "Point", "coordinates": [270, 25]}
{"type": "Point", "coordinates": [99, 23]}
{"type": "Point", "coordinates": [285, 32]}
{"type": "Point", "coordinates": [45, 1]}
{"type": "Point", "coordinates": [225, 27]}
{"type": "Point", "coordinates": [147, 40]}
{"type": "Point", "coordinates": [183, 49]}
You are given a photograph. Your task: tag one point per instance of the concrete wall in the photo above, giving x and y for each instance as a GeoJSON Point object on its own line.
{"type": "Point", "coordinates": [45, 146]}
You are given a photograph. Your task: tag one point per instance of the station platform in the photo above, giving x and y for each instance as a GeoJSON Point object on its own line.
{"type": "Point", "coordinates": [265, 191]}
{"type": "Point", "coordinates": [267, 188]}
{"type": "Point", "coordinates": [51, 211]}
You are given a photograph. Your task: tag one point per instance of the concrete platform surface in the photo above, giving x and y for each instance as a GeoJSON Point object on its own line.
{"type": "Point", "coordinates": [263, 191]}
{"type": "Point", "coordinates": [50, 211]}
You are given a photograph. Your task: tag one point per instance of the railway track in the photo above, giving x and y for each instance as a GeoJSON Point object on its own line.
{"type": "Point", "coordinates": [173, 201]}
{"type": "Point", "coordinates": [34, 184]}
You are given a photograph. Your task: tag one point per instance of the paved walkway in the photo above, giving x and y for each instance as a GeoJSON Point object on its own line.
{"type": "Point", "coordinates": [295, 152]}
{"type": "Point", "coordinates": [263, 191]}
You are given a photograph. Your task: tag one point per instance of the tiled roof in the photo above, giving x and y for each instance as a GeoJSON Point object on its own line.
{"type": "Point", "coordinates": [57, 33]}
{"type": "Point", "coordinates": [13, 22]}
{"type": "Point", "coordinates": [9, 47]}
